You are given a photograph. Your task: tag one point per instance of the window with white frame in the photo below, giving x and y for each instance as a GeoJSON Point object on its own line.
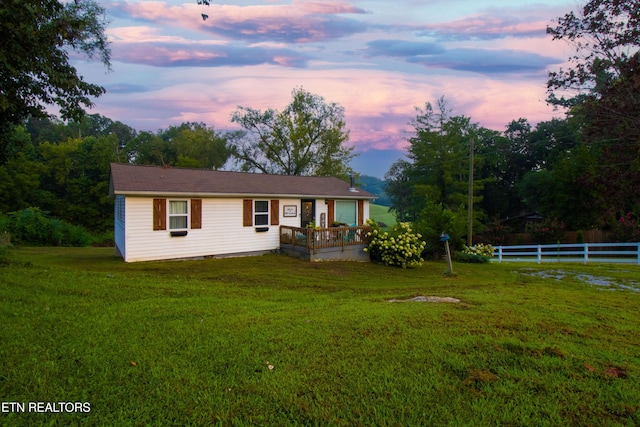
{"type": "Point", "coordinates": [178, 214]}
{"type": "Point", "coordinates": [261, 212]}
{"type": "Point", "coordinates": [346, 212]}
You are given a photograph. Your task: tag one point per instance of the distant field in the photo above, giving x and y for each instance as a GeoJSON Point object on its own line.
{"type": "Point", "coordinates": [382, 214]}
{"type": "Point", "coordinates": [277, 341]}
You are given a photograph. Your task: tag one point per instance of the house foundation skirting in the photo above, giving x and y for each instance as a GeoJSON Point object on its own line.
{"type": "Point", "coordinates": [346, 253]}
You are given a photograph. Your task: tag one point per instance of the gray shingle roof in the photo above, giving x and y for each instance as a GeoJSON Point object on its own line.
{"type": "Point", "coordinates": [153, 180]}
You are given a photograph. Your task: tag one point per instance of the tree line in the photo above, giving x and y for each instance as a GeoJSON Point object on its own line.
{"type": "Point", "coordinates": [581, 171]}
{"type": "Point", "coordinates": [63, 167]}
{"type": "Point", "coordinates": [550, 170]}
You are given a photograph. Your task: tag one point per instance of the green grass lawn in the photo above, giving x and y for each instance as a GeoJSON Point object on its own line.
{"type": "Point", "coordinates": [381, 214]}
{"type": "Point", "coordinates": [278, 341]}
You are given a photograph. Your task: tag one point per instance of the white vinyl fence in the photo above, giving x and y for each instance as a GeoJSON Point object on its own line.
{"type": "Point", "coordinates": [627, 253]}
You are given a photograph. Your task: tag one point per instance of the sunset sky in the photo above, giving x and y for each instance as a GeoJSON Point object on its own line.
{"type": "Point", "coordinates": [378, 59]}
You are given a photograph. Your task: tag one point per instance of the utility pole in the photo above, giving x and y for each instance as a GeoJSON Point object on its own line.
{"type": "Point", "coordinates": [470, 203]}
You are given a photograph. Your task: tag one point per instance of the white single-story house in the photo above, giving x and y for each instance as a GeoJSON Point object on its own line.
{"type": "Point", "coordinates": [173, 213]}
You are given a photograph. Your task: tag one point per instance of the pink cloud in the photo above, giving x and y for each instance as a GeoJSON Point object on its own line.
{"type": "Point", "coordinates": [144, 34]}
{"type": "Point", "coordinates": [488, 26]}
{"type": "Point", "coordinates": [328, 7]}
{"type": "Point", "coordinates": [252, 50]}
{"type": "Point", "coordinates": [377, 114]}
{"type": "Point", "coordinates": [162, 55]}
{"type": "Point", "coordinates": [297, 22]}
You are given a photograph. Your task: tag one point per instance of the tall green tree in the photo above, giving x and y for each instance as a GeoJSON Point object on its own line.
{"type": "Point", "coordinates": [612, 130]}
{"type": "Point", "coordinates": [74, 181]}
{"type": "Point", "coordinates": [559, 191]}
{"type": "Point", "coordinates": [603, 84]}
{"type": "Point", "coordinates": [36, 39]}
{"type": "Point", "coordinates": [186, 145]}
{"type": "Point", "coordinates": [521, 150]}
{"type": "Point", "coordinates": [47, 129]}
{"type": "Point", "coordinates": [494, 168]}
{"type": "Point", "coordinates": [20, 176]}
{"type": "Point", "coordinates": [551, 140]}
{"type": "Point", "coordinates": [605, 34]}
{"type": "Point", "coordinates": [400, 189]}
{"type": "Point", "coordinates": [306, 138]}
{"type": "Point", "coordinates": [198, 146]}
{"type": "Point", "coordinates": [433, 220]}
{"type": "Point", "coordinates": [440, 154]}
{"type": "Point", "coordinates": [148, 148]}
{"type": "Point", "coordinates": [67, 177]}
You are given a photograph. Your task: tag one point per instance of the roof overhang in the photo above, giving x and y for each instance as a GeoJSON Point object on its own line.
{"type": "Point", "coordinates": [352, 196]}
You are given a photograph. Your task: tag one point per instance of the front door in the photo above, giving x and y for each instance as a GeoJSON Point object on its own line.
{"type": "Point", "coordinates": [308, 214]}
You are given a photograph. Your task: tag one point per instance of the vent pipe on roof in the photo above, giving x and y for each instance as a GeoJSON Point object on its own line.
{"type": "Point", "coordinates": [352, 187]}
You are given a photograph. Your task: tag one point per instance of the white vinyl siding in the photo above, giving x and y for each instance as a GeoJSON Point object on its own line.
{"type": "Point", "coordinates": [119, 205]}
{"type": "Point", "coordinates": [119, 225]}
{"type": "Point", "coordinates": [222, 232]}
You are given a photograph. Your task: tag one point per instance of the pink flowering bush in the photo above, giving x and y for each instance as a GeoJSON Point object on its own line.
{"type": "Point", "coordinates": [496, 232]}
{"type": "Point", "coordinates": [626, 229]}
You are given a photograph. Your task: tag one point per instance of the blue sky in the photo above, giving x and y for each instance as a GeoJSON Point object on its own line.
{"type": "Point", "coordinates": [378, 59]}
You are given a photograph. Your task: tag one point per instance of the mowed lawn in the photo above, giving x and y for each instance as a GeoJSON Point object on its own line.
{"type": "Point", "coordinates": [381, 214]}
{"type": "Point", "coordinates": [276, 341]}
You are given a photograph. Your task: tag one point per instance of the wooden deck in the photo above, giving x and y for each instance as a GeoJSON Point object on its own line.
{"type": "Point", "coordinates": [320, 244]}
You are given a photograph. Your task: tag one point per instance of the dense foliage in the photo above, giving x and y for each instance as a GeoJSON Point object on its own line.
{"type": "Point", "coordinates": [36, 39]}
{"type": "Point", "coordinates": [63, 169]}
{"type": "Point", "coordinates": [306, 138]}
{"type": "Point", "coordinates": [33, 227]}
{"type": "Point", "coordinates": [626, 229]}
{"type": "Point", "coordinates": [605, 35]}
{"type": "Point", "coordinates": [434, 220]}
{"type": "Point", "coordinates": [582, 171]}
{"type": "Point", "coordinates": [601, 88]}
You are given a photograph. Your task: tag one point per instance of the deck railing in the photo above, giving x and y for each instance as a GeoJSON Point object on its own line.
{"type": "Point", "coordinates": [319, 238]}
{"type": "Point", "coordinates": [579, 252]}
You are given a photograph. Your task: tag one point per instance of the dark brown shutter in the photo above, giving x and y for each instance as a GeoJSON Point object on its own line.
{"type": "Point", "coordinates": [247, 213]}
{"type": "Point", "coordinates": [196, 213]}
{"type": "Point", "coordinates": [275, 212]}
{"type": "Point", "coordinates": [331, 211]}
{"type": "Point", "coordinates": [159, 214]}
{"type": "Point", "coordinates": [360, 212]}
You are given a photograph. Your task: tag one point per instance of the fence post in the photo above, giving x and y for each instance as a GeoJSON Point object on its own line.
{"type": "Point", "coordinates": [500, 253]}
{"type": "Point", "coordinates": [586, 253]}
{"type": "Point", "coordinates": [293, 240]}
{"type": "Point", "coordinates": [539, 254]}
{"type": "Point", "coordinates": [638, 253]}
